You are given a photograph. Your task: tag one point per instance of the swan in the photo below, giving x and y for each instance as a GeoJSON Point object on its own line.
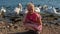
{"type": "Point", "coordinates": [51, 10]}
{"type": "Point", "coordinates": [24, 11]}
{"type": "Point", "coordinates": [18, 9]}
{"type": "Point", "coordinates": [55, 11]}
{"type": "Point", "coordinates": [3, 11]}
{"type": "Point", "coordinates": [37, 9]}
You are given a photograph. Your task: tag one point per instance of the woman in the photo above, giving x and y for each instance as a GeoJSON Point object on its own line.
{"type": "Point", "coordinates": [32, 19]}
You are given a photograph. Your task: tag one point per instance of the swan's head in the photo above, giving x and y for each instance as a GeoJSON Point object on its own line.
{"type": "Point", "coordinates": [45, 7]}
{"type": "Point", "coordinates": [19, 5]}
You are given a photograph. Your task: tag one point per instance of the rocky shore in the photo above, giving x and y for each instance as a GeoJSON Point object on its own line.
{"type": "Point", "coordinates": [13, 25]}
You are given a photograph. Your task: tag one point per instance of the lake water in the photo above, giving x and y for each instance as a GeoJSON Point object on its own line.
{"type": "Point", "coordinates": [13, 3]}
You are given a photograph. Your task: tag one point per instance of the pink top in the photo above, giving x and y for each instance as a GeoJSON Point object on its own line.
{"type": "Point", "coordinates": [33, 17]}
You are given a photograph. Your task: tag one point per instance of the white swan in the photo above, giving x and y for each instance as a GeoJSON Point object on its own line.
{"type": "Point", "coordinates": [18, 9]}
{"type": "Point", "coordinates": [55, 11]}
{"type": "Point", "coordinates": [37, 9]}
{"type": "Point", "coordinates": [24, 11]}
{"type": "Point", "coordinates": [52, 10]}
{"type": "Point", "coordinates": [3, 9]}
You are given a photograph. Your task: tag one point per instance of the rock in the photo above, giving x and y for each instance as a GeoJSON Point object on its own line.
{"type": "Point", "coordinates": [1, 33]}
{"type": "Point", "coordinates": [8, 26]}
{"type": "Point", "coordinates": [15, 27]}
{"type": "Point", "coordinates": [57, 24]}
{"type": "Point", "coordinates": [55, 18]}
{"type": "Point", "coordinates": [11, 24]}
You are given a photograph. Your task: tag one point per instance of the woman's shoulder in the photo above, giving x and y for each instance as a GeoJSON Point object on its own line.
{"type": "Point", "coordinates": [38, 15]}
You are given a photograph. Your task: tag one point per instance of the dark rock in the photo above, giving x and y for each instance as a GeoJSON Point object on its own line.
{"type": "Point", "coordinates": [21, 14]}
{"type": "Point", "coordinates": [15, 27]}
{"type": "Point", "coordinates": [55, 18]}
{"type": "Point", "coordinates": [51, 16]}
{"type": "Point", "coordinates": [56, 8]}
{"type": "Point", "coordinates": [57, 24]}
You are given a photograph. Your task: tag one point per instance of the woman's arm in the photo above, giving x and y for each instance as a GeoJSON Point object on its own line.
{"type": "Point", "coordinates": [39, 21]}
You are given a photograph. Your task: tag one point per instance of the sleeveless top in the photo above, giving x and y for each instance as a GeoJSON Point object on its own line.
{"type": "Point", "coordinates": [33, 17]}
